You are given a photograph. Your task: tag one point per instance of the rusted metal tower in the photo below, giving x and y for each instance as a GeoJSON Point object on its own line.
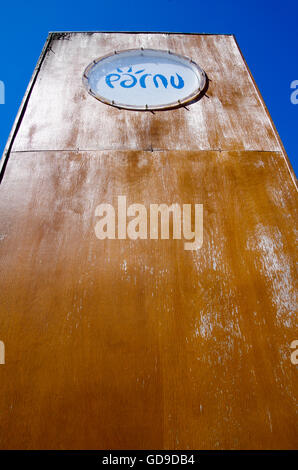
{"type": "Point", "coordinates": [123, 343]}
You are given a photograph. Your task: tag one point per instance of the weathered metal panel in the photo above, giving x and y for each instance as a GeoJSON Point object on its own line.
{"type": "Point", "coordinates": [62, 116]}
{"type": "Point", "coordinates": [140, 343]}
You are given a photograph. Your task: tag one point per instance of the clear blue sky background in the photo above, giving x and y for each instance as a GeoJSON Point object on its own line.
{"type": "Point", "coordinates": [267, 32]}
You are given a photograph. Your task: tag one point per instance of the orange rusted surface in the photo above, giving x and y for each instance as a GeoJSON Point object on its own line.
{"type": "Point", "coordinates": [140, 344]}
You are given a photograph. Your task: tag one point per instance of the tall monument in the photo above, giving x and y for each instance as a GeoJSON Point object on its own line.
{"type": "Point", "coordinates": [118, 336]}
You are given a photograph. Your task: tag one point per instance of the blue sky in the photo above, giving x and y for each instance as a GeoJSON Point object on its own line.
{"type": "Point", "coordinates": [267, 32]}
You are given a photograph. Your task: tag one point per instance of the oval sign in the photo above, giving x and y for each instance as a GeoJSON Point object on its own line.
{"type": "Point", "coordinates": [143, 79]}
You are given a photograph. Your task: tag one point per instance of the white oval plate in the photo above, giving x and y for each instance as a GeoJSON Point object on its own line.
{"type": "Point", "coordinates": [144, 79]}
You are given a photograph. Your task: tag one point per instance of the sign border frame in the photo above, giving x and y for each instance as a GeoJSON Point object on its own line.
{"type": "Point", "coordinates": [175, 104]}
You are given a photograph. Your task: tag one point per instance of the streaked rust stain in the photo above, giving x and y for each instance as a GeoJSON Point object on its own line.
{"type": "Point", "coordinates": [122, 344]}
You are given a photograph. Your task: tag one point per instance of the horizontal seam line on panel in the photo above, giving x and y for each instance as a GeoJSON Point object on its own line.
{"type": "Point", "coordinates": [143, 150]}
